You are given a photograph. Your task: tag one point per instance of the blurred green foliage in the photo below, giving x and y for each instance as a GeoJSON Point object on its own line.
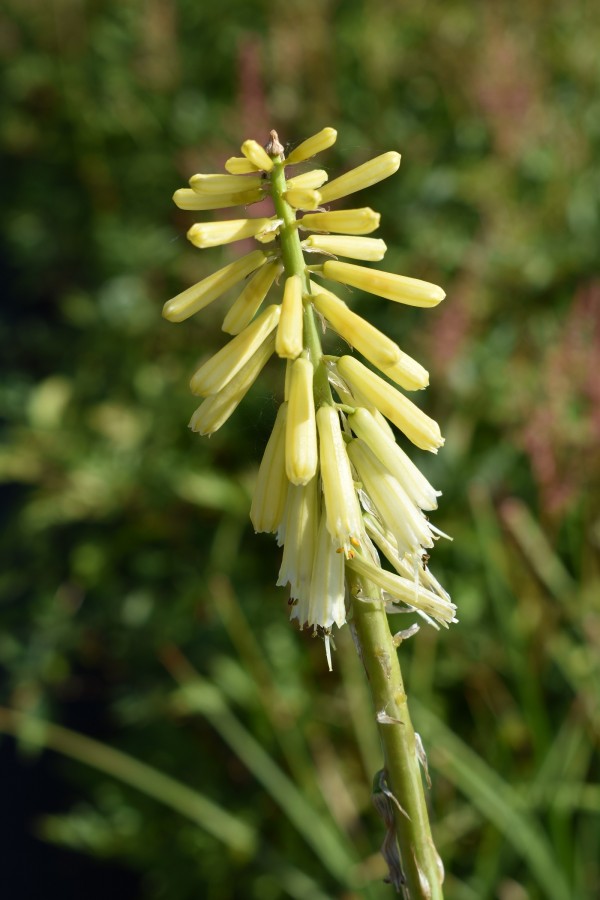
{"type": "Point", "coordinates": [136, 602]}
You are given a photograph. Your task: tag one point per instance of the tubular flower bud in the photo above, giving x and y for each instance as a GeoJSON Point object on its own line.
{"type": "Point", "coordinates": [417, 426]}
{"type": "Point", "coordinates": [301, 526]}
{"type": "Point", "coordinates": [333, 483]}
{"type": "Point", "coordinates": [303, 198]}
{"type": "Point", "coordinates": [401, 590]}
{"type": "Point", "coordinates": [378, 348]}
{"type": "Point", "coordinates": [270, 491]}
{"type": "Point", "coordinates": [211, 234]}
{"type": "Point", "coordinates": [393, 287]}
{"type": "Point", "coordinates": [289, 331]}
{"type": "Point", "coordinates": [382, 443]}
{"type": "Point", "coordinates": [344, 521]}
{"type": "Point", "coordinates": [345, 221]}
{"type": "Point", "coordinates": [249, 301]}
{"type": "Point", "coordinates": [257, 155]}
{"type": "Point", "coordinates": [216, 409]}
{"type": "Point", "coordinates": [369, 249]}
{"type": "Point", "coordinates": [240, 165]}
{"type": "Point", "coordinates": [363, 176]}
{"type": "Point", "coordinates": [301, 456]}
{"type": "Point", "coordinates": [200, 295]}
{"type": "Point", "coordinates": [308, 180]}
{"type": "Point", "coordinates": [312, 145]}
{"type": "Point", "coordinates": [186, 198]}
{"type": "Point", "coordinates": [220, 368]}
{"type": "Point", "coordinates": [225, 184]}
{"type": "Point", "coordinates": [326, 606]}
{"type": "Point", "coordinates": [405, 521]}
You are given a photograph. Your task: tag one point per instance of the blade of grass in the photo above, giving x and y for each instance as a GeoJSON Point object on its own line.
{"type": "Point", "coordinates": [498, 801]}
{"type": "Point", "coordinates": [196, 695]}
{"type": "Point", "coordinates": [237, 835]}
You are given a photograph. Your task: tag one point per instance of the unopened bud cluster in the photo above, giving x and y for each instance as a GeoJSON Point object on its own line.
{"type": "Point", "coordinates": [334, 485]}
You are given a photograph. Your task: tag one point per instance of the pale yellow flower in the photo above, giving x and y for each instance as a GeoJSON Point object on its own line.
{"type": "Point", "coordinates": [303, 198]}
{"type": "Point", "coordinates": [301, 528]}
{"type": "Point", "coordinates": [312, 145]}
{"type": "Point", "coordinates": [363, 176]}
{"type": "Point", "coordinates": [220, 368]}
{"type": "Point", "coordinates": [217, 408]}
{"type": "Point", "coordinates": [377, 348]}
{"type": "Point", "coordinates": [186, 198]}
{"type": "Point", "coordinates": [249, 301]}
{"type": "Point", "coordinates": [225, 184]}
{"type": "Point", "coordinates": [301, 457]}
{"type": "Point", "coordinates": [305, 488]}
{"type": "Point", "coordinates": [344, 520]}
{"type": "Point", "coordinates": [200, 295]}
{"type": "Point", "coordinates": [211, 234]}
{"type": "Point", "coordinates": [400, 515]}
{"type": "Point", "coordinates": [310, 180]}
{"type": "Point", "coordinates": [345, 221]}
{"type": "Point", "coordinates": [257, 155]}
{"type": "Point", "coordinates": [368, 249]}
{"type": "Point", "coordinates": [416, 425]}
{"type": "Point", "coordinates": [393, 287]}
{"type": "Point", "coordinates": [381, 441]}
{"type": "Point", "coordinates": [289, 331]}
{"type": "Point", "coordinates": [270, 491]}
{"type": "Point", "coordinates": [402, 590]}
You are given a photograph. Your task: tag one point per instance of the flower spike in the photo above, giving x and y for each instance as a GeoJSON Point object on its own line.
{"type": "Point", "coordinates": [344, 499]}
{"type": "Point", "coordinates": [333, 484]}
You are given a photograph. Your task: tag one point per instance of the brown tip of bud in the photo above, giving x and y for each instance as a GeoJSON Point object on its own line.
{"type": "Point", "coordinates": [274, 148]}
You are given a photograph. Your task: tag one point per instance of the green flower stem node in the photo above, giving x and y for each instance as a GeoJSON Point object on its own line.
{"type": "Point", "coordinates": [294, 264]}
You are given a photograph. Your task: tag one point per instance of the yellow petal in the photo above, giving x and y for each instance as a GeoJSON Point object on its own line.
{"type": "Point", "coordinates": [406, 591]}
{"type": "Point", "coordinates": [326, 604]}
{"type": "Point", "coordinates": [399, 514]}
{"type": "Point", "coordinates": [289, 331]}
{"type": "Point", "coordinates": [200, 295]}
{"type": "Point", "coordinates": [399, 288]}
{"type": "Point", "coordinates": [369, 249]}
{"type": "Point", "coordinates": [302, 198]}
{"type": "Point", "coordinates": [311, 180]}
{"type": "Point", "coordinates": [363, 176]}
{"type": "Point", "coordinates": [384, 446]}
{"type": "Point", "coordinates": [301, 457]}
{"type": "Point", "coordinates": [239, 165]}
{"type": "Point", "coordinates": [249, 301]}
{"type": "Point", "coordinates": [346, 221]}
{"type": "Point", "coordinates": [185, 198]}
{"type": "Point", "coordinates": [268, 501]}
{"type": "Point", "coordinates": [367, 339]}
{"type": "Point", "coordinates": [300, 530]}
{"type": "Point", "coordinates": [257, 155]}
{"type": "Point", "coordinates": [212, 234]}
{"type": "Point", "coordinates": [215, 410]}
{"type": "Point", "coordinates": [418, 427]}
{"type": "Point", "coordinates": [344, 521]}
{"type": "Point", "coordinates": [312, 145]}
{"type": "Point", "coordinates": [220, 368]}
{"type": "Point", "coordinates": [225, 184]}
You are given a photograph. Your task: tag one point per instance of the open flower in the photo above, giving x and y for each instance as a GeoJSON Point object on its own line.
{"type": "Point", "coordinates": [333, 484]}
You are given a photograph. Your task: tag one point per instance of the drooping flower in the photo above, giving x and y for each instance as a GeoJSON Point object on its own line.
{"type": "Point", "coordinates": [334, 484]}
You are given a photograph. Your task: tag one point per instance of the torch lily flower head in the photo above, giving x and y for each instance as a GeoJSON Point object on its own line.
{"type": "Point", "coordinates": [334, 484]}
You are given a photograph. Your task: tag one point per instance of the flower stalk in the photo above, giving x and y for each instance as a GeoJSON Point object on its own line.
{"type": "Point", "coordinates": [334, 484]}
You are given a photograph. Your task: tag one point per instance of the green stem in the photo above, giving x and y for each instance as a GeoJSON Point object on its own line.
{"type": "Point", "coordinates": [421, 864]}
{"type": "Point", "coordinates": [293, 261]}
